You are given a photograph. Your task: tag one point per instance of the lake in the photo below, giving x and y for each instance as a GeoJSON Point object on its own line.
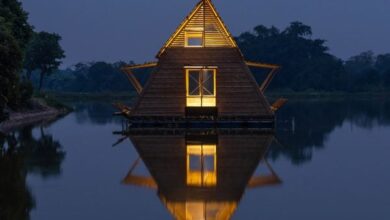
{"type": "Point", "coordinates": [328, 159]}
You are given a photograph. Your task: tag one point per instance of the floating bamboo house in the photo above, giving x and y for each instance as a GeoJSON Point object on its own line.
{"type": "Point", "coordinates": [201, 74]}
{"type": "Point", "coordinates": [201, 174]}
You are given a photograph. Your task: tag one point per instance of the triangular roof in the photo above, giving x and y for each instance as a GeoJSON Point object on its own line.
{"type": "Point", "coordinates": [203, 18]}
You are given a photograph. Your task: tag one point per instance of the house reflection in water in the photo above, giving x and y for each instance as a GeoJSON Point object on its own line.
{"type": "Point", "coordinates": [203, 174]}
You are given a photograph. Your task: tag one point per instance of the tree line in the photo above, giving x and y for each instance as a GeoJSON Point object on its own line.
{"type": "Point", "coordinates": [22, 50]}
{"type": "Point", "coordinates": [92, 77]}
{"type": "Point", "coordinates": [306, 65]}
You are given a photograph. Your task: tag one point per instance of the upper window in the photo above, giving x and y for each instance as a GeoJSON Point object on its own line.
{"type": "Point", "coordinates": [194, 39]}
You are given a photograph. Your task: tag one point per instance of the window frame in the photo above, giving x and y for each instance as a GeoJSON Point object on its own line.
{"type": "Point", "coordinates": [193, 34]}
{"type": "Point", "coordinates": [201, 100]}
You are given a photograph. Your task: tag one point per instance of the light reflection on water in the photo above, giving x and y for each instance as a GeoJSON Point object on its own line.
{"type": "Point", "coordinates": [331, 158]}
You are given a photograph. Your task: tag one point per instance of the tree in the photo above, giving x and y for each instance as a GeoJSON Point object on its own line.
{"type": "Point", "coordinates": [10, 57]}
{"type": "Point", "coordinates": [14, 35]}
{"type": "Point", "coordinates": [15, 20]}
{"type": "Point", "coordinates": [100, 72]}
{"type": "Point", "coordinates": [382, 64]}
{"type": "Point", "coordinates": [361, 63]}
{"type": "Point", "coordinates": [306, 63]}
{"type": "Point", "coordinates": [44, 53]}
{"type": "Point", "coordinates": [362, 73]}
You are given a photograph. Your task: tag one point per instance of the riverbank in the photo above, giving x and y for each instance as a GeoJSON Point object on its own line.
{"type": "Point", "coordinates": [37, 110]}
{"type": "Point", "coordinates": [101, 96]}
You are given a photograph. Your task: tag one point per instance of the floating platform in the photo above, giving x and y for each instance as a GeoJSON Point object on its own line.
{"type": "Point", "coordinates": [263, 123]}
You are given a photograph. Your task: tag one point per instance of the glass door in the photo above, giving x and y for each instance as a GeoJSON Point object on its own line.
{"type": "Point", "coordinates": [201, 87]}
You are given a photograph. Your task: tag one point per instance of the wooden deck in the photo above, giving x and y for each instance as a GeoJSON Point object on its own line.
{"type": "Point", "coordinates": [264, 123]}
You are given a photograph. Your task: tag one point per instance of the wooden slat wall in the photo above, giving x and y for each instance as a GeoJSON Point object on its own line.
{"type": "Point", "coordinates": [215, 35]}
{"type": "Point", "coordinates": [237, 92]}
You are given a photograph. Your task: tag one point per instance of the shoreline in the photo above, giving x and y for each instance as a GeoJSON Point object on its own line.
{"type": "Point", "coordinates": [21, 119]}
{"type": "Point", "coordinates": [40, 112]}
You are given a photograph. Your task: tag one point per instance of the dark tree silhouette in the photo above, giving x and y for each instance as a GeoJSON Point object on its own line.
{"type": "Point", "coordinates": [306, 63]}
{"type": "Point", "coordinates": [44, 53]}
{"type": "Point", "coordinates": [15, 32]}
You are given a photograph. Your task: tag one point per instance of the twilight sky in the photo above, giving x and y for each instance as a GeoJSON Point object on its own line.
{"type": "Point", "coordinates": [112, 30]}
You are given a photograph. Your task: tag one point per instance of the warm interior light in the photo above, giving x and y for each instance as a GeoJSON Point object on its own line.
{"type": "Point", "coordinates": [201, 165]}
{"type": "Point", "coordinates": [194, 39]}
{"type": "Point", "coordinates": [201, 87]}
{"type": "Point", "coordinates": [205, 23]}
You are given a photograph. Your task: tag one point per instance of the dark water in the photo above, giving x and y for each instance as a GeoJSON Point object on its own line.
{"type": "Point", "coordinates": [328, 160]}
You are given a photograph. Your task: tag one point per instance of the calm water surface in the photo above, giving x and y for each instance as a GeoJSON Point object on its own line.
{"type": "Point", "coordinates": [327, 160]}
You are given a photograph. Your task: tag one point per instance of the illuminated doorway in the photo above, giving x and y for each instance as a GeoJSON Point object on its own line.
{"type": "Point", "coordinates": [201, 87]}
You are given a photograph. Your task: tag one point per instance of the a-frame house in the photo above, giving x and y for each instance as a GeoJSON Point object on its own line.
{"type": "Point", "coordinates": [201, 72]}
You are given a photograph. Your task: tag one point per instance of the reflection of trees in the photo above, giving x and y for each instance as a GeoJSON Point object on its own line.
{"type": "Point", "coordinates": [303, 126]}
{"type": "Point", "coordinates": [369, 112]}
{"type": "Point", "coordinates": [16, 200]}
{"type": "Point", "coordinates": [43, 155]}
{"type": "Point", "coordinates": [21, 153]}
{"type": "Point", "coordinates": [100, 113]}
{"type": "Point", "coordinates": [96, 112]}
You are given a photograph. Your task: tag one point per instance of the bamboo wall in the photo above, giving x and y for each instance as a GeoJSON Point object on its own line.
{"type": "Point", "coordinates": [237, 91]}
{"type": "Point", "coordinates": [205, 20]}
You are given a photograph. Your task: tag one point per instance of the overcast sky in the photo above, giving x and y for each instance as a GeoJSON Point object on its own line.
{"type": "Point", "coordinates": [112, 30]}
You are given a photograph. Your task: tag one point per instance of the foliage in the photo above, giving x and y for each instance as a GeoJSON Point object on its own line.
{"type": "Point", "coordinates": [96, 77]}
{"type": "Point", "coordinates": [44, 54]}
{"type": "Point", "coordinates": [369, 72]}
{"type": "Point", "coordinates": [50, 101]}
{"type": "Point", "coordinates": [10, 56]}
{"type": "Point", "coordinates": [15, 20]}
{"type": "Point", "coordinates": [26, 91]}
{"type": "Point", "coordinates": [306, 63]}
{"type": "Point", "coordinates": [15, 32]}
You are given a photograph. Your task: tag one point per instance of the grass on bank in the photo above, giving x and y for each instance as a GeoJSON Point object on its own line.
{"type": "Point", "coordinates": [52, 101]}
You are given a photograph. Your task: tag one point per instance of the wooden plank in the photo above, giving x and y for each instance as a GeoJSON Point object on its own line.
{"type": "Point", "coordinates": [237, 92]}
{"type": "Point", "coordinates": [278, 104]}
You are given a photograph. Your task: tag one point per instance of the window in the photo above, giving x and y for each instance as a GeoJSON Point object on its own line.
{"type": "Point", "coordinates": [193, 39]}
{"type": "Point", "coordinates": [201, 87]}
{"type": "Point", "coordinates": [201, 165]}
